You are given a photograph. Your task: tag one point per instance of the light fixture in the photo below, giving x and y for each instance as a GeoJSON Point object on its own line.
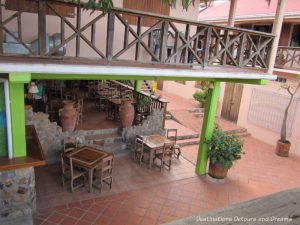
{"type": "Point", "coordinates": [33, 88]}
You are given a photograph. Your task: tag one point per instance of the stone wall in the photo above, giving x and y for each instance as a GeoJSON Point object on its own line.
{"type": "Point", "coordinates": [152, 125]}
{"type": "Point", "coordinates": [17, 193]}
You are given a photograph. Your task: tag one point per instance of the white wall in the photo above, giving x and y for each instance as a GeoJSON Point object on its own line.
{"type": "Point", "coordinates": [262, 133]}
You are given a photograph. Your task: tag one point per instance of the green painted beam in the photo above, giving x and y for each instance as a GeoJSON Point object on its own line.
{"type": "Point", "coordinates": [19, 77]}
{"type": "Point", "coordinates": [17, 109]}
{"type": "Point", "coordinates": [138, 85]}
{"type": "Point", "coordinates": [137, 78]}
{"type": "Point", "coordinates": [207, 128]}
{"type": "Point", "coordinates": [245, 81]}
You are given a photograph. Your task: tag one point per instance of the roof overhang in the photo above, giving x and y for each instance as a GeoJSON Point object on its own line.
{"type": "Point", "coordinates": [258, 17]}
{"type": "Point", "coordinates": [94, 72]}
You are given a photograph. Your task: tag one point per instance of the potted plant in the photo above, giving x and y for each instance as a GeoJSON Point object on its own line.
{"type": "Point", "coordinates": [200, 96]}
{"type": "Point", "coordinates": [280, 59]}
{"type": "Point", "coordinates": [223, 150]}
{"type": "Point", "coordinates": [283, 145]}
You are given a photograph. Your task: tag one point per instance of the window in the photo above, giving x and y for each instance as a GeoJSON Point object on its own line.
{"type": "Point", "coordinates": [151, 6]}
{"type": "Point", "coordinates": [295, 38]}
{"type": "Point", "coordinates": [263, 28]}
{"type": "Point", "coordinates": [180, 81]}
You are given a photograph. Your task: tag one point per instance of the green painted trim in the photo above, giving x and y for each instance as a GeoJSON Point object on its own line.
{"type": "Point", "coordinates": [17, 109]}
{"type": "Point", "coordinates": [19, 77]}
{"type": "Point", "coordinates": [207, 128]}
{"type": "Point", "coordinates": [138, 85]}
{"type": "Point", "coordinates": [245, 81]}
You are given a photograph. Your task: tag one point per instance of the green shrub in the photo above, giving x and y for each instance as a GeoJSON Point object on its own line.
{"type": "Point", "coordinates": [224, 149]}
{"type": "Point", "coordinates": [201, 95]}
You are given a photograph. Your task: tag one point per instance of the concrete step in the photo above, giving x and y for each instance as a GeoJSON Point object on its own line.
{"type": "Point", "coordinates": [198, 114]}
{"type": "Point", "coordinates": [106, 138]}
{"type": "Point", "coordinates": [242, 132]}
{"type": "Point", "coordinates": [187, 137]}
{"type": "Point", "coordinates": [196, 110]}
{"type": "Point", "coordinates": [186, 142]}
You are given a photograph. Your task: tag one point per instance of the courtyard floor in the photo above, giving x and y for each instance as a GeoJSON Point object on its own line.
{"type": "Point", "coordinates": [145, 196]}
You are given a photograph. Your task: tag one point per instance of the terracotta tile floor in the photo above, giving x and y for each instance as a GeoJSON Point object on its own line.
{"type": "Point", "coordinates": [146, 196]}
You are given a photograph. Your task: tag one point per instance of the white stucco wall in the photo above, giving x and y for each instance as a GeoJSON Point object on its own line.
{"type": "Point", "coordinates": [262, 133]}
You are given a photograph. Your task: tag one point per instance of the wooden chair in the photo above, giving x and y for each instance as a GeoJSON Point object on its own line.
{"type": "Point", "coordinates": [172, 135]}
{"type": "Point", "coordinates": [70, 144]}
{"type": "Point", "coordinates": [69, 173]}
{"type": "Point", "coordinates": [140, 149]}
{"type": "Point", "coordinates": [104, 173]}
{"type": "Point", "coordinates": [165, 157]}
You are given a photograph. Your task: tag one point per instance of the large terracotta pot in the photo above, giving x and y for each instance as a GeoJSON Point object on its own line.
{"type": "Point", "coordinates": [68, 116]}
{"type": "Point", "coordinates": [282, 149]}
{"type": "Point", "coordinates": [217, 171]}
{"type": "Point", "coordinates": [126, 113]}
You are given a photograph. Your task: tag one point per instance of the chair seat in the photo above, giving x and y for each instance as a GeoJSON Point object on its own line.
{"type": "Point", "coordinates": [163, 157]}
{"type": "Point", "coordinates": [176, 146]}
{"type": "Point", "coordinates": [76, 173]}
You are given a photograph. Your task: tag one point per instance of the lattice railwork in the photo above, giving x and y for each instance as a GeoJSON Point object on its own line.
{"type": "Point", "coordinates": [267, 109]}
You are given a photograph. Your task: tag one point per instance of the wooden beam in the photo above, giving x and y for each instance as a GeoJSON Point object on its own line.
{"type": "Point", "coordinates": [277, 25]}
{"type": "Point", "coordinates": [232, 12]}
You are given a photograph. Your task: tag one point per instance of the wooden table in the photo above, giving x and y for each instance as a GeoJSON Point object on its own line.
{"type": "Point", "coordinates": [88, 158]}
{"type": "Point", "coordinates": [155, 142]}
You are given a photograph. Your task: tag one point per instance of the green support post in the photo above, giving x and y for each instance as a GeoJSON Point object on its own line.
{"type": "Point", "coordinates": [207, 127]}
{"type": "Point", "coordinates": [17, 108]}
{"type": "Point", "coordinates": [138, 85]}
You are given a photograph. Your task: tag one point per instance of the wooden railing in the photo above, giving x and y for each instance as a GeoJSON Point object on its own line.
{"type": "Point", "coordinates": [110, 38]}
{"type": "Point", "coordinates": [288, 58]}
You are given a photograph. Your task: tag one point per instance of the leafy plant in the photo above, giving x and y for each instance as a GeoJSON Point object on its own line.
{"type": "Point", "coordinates": [292, 90]}
{"type": "Point", "coordinates": [201, 95]}
{"type": "Point", "coordinates": [224, 149]}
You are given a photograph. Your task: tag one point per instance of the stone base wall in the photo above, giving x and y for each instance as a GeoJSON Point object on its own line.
{"type": "Point", "coordinates": [17, 193]}
{"type": "Point", "coordinates": [51, 135]}
{"type": "Point", "coordinates": [152, 125]}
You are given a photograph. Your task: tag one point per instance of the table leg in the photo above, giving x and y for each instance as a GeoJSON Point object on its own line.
{"type": "Point", "coordinates": [151, 158]}
{"type": "Point", "coordinates": [91, 179]}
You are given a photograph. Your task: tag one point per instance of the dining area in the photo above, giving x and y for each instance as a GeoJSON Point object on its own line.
{"type": "Point", "coordinates": [85, 164]}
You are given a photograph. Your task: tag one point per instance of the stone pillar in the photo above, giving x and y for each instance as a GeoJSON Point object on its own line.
{"type": "Point", "coordinates": [17, 193]}
{"type": "Point", "coordinates": [277, 25]}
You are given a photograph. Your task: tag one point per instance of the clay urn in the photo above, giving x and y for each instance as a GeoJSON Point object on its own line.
{"type": "Point", "coordinates": [126, 112]}
{"type": "Point", "coordinates": [68, 116]}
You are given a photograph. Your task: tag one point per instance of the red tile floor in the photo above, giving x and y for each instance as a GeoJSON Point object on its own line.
{"type": "Point", "coordinates": [146, 196]}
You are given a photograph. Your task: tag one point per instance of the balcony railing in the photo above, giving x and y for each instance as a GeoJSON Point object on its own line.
{"type": "Point", "coordinates": [288, 58]}
{"type": "Point", "coordinates": [50, 33]}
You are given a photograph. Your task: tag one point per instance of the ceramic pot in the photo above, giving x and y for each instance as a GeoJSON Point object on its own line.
{"type": "Point", "coordinates": [68, 116]}
{"type": "Point", "coordinates": [217, 171]}
{"type": "Point", "coordinates": [282, 149]}
{"type": "Point", "coordinates": [126, 112]}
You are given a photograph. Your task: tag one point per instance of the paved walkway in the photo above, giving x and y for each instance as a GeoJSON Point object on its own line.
{"type": "Point", "coordinates": [260, 172]}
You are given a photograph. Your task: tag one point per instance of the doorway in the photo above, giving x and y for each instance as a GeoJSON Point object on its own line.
{"type": "Point", "coordinates": [232, 101]}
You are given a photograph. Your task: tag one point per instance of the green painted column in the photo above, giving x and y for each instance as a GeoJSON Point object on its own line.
{"type": "Point", "coordinates": [17, 109]}
{"type": "Point", "coordinates": [207, 127]}
{"type": "Point", "coordinates": [138, 85]}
